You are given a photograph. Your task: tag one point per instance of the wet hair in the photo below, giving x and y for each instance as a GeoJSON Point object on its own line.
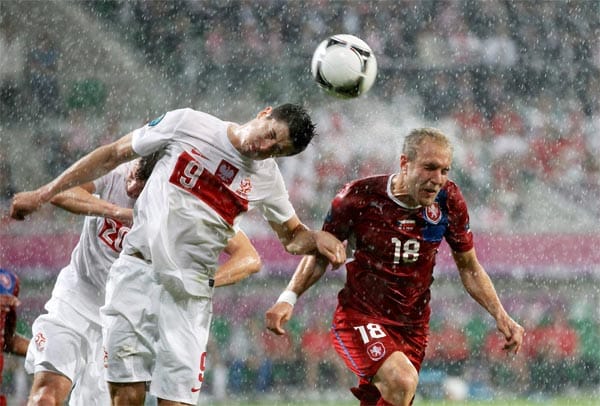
{"type": "Point", "coordinates": [302, 129]}
{"type": "Point", "coordinates": [414, 139]}
{"type": "Point", "coordinates": [146, 165]}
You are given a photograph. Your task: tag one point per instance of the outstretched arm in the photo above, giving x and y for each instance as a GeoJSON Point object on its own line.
{"type": "Point", "coordinates": [479, 285]}
{"type": "Point", "coordinates": [297, 239]}
{"type": "Point", "coordinates": [243, 261]}
{"type": "Point", "coordinates": [309, 270]}
{"type": "Point", "coordinates": [92, 166]}
{"type": "Point", "coordinates": [80, 200]}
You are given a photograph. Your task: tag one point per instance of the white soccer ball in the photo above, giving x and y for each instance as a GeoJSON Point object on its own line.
{"type": "Point", "coordinates": [344, 65]}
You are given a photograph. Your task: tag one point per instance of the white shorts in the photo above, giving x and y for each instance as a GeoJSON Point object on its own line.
{"type": "Point", "coordinates": [152, 336]}
{"type": "Point", "coordinates": [67, 343]}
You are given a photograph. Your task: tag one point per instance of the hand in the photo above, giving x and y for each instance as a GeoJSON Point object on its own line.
{"type": "Point", "coordinates": [277, 316]}
{"type": "Point", "coordinates": [513, 333]}
{"type": "Point", "coordinates": [331, 248]}
{"type": "Point", "coordinates": [25, 203]}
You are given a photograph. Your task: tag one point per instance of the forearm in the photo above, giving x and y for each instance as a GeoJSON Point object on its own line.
{"type": "Point", "coordinates": [480, 287]}
{"type": "Point", "coordinates": [92, 166]}
{"type": "Point", "coordinates": [236, 269]}
{"type": "Point", "coordinates": [79, 201]}
{"type": "Point", "coordinates": [19, 345]}
{"type": "Point", "coordinates": [302, 242]}
{"type": "Point", "coordinates": [310, 269]}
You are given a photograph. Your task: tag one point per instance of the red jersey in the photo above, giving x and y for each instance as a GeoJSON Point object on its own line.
{"type": "Point", "coordinates": [394, 246]}
{"type": "Point", "coordinates": [9, 285]}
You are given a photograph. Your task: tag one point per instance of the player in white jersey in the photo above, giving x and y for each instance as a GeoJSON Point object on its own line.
{"type": "Point", "coordinates": [66, 352]}
{"type": "Point", "coordinates": [158, 303]}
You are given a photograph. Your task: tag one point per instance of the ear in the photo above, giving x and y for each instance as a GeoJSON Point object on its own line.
{"type": "Point", "coordinates": [265, 112]}
{"type": "Point", "coordinates": [403, 163]}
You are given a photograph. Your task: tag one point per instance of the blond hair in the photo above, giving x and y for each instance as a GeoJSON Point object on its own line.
{"type": "Point", "coordinates": [414, 139]}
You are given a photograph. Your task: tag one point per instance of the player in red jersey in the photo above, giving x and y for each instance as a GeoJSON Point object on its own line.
{"type": "Point", "coordinates": [395, 224]}
{"type": "Point", "coordinates": [9, 339]}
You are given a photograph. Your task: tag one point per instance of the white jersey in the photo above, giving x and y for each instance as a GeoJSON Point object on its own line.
{"type": "Point", "coordinates": [192, 203]}
{"type": "Point", "coordinates": [82, 282]}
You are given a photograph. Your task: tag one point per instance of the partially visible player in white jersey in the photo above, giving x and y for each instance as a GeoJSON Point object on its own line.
{"type": "Point", "coordinates": [66, 349]}
{"type": "Point", "coordinates": [159, 292]}
{"type": "Point", "coordinates": [66, 354]}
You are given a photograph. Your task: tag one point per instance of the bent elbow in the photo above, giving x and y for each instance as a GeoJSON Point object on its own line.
{"type": "Point", "coordinates": [255, 265]}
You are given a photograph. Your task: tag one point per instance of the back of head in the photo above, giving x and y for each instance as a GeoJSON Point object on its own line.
{"type": "Point", "coordinates": [302, 129]}
{"type": "Point", "coordinates": [146, 165]}
{"type": "Point", "coordinates": [414, 139]}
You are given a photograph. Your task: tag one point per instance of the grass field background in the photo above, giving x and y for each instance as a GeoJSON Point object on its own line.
{"type": "Point", "coordinates": [588, 400]}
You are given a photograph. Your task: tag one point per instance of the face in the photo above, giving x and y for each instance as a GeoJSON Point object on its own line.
{"type": "Point", "coordinates": [133, 185]}
{"type": "Point", "coordinates": [428, 173]}
{"type": "Point", "coordinates": [265, 137]}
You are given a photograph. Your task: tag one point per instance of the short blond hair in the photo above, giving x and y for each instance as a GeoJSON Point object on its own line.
{"type": "Point", "coordinates": [414, 139]}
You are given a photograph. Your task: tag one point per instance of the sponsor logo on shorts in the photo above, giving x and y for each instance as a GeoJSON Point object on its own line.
{"type": "Point", "coordinates": [376, 351]}
{"type": "Point", "coordinates": [40, 341]}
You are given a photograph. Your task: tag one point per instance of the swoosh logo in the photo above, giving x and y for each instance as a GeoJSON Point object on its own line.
{"type": "Point", "coordinates": [195, 390]}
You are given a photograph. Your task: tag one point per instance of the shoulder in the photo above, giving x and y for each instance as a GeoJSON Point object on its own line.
{"type": "Point", "coordinates": [359, 192]}
{"type": "Point", "coordinates": [188, 113]}
{"type": "Point", "coordinates": [452, 192]}
{"type": "Point", "coordinates": [452, 199]}
{"type": "Point", "coordinates": [369, 185]}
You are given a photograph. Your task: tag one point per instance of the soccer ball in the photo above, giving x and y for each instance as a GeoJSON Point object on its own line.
{"type": "Point", "coordinates": [344, 66]}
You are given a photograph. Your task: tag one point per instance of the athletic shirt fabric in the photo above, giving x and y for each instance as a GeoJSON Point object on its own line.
{"type": "Point", "coordinates": [194, 199]}
{"type": "Point", "coordinates": [82, 283]}
{"type": "Point", "coordinates": [395, 247]}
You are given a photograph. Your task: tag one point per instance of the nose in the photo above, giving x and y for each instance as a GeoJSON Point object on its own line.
{"type": "Point", "coordinates": [438, 177]}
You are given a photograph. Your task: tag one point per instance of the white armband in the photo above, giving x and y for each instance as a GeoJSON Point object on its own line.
{"type": "Point", "coordinates": [288, 296]}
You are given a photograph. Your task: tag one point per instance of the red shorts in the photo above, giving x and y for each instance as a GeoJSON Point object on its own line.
{"type": "Point", "coordinates": [364, 342]}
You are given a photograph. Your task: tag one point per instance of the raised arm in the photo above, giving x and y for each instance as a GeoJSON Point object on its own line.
{"type": "Point", "coordinates": [479, 285]}
{"type": "Point", "coordinates": [243, 261]}
{"type": "Point", "coordinates": [80, 200]}
{"type": "Point", "coordinates": [92, 166]}
{"type": "Point", "coordinates": [297, 239]}
{"type": "Point", "coordinates": [309, 270]}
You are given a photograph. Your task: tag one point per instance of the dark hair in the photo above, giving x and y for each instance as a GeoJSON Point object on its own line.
{"type": "Point", "coordinates": [302, 129]}
{"type": "Point", "coordinates": [147, 164]}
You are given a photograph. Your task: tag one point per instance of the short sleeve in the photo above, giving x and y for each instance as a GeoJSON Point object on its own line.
{"type": "Point", "coordinates": [278, 208]}
{"type": "Point", "coordinates": [156, 133]}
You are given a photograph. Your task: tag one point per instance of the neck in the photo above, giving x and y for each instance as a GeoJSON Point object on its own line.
{"type": "Point", "coordinates": [398, 186]}
{"type": "Point", "coordinates": [400, 191]}
{"type": "Point", "coordinates": [232, 135]}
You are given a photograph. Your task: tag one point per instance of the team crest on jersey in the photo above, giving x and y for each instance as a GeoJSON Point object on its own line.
{"type": "Point", "coordinates": [156, 121]}
{"type": "Point", "coordinates": [376, 351]}
{"type": "Point", "coordinates": [40, 341]}
{"type": "Point", "coordinates": [433, 214]}
{"type": "Point", "coordinates": [245, 187]}
{"type": "Point", "coordinates": [226, 172]}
